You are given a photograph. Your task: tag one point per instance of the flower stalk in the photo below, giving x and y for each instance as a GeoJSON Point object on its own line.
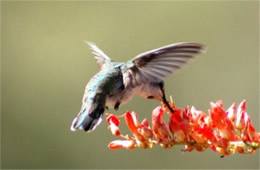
{"type": "Point", "coordinates": [223, 131]}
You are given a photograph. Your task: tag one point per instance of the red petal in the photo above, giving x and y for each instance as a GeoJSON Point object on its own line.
{"type": "Point", "coordinates": [163, 131]}
{"type": "Point", "coordinates": [199, 148]}
{"type": "Point", "coordinates": [208, 133]}
{"type": "Point", "coordinates": [116, 144]}
{"type": "Point", "coordinates": [228, 134]}
{"type": "Point", "coordinates": [180, 136]}
{"type": "Point", "coordinates": [231, 112]}
{"type": "Point", "coordinates": [114, 129]}
{"type": "Point", "coordinates": [145, 123]}
{"type": "Point", "coordinates": [250, 133]}
{"type": "Point", "coordinates": [219, 117]}
{"type": "Point", "coordinates": [173, 122]}
{"type": "Point", "coordinates": [130, 122]}
{"type": "Point", "coordinates": [240, 149]}
{"type": "Point", "coordinates": [240, 121]}
{"type": "Point", "coordinates": [219, 103]}
{"type": "Point", "coordinates": [113, 119]}
{"type": "Point", "coordinates": [198, 137]}
{"type": "Point", "coordinates": [186, 114]}
{"type": "Point", "coordinates": [157, 114]}
{"type": "Point", "coordinates": [134, 116]}
{"type": "Point", "coordinates": [223, 143]}
{"type": "Point", "coordinates": [242, 106]}
{"type": "Point", "coordinates": [197, 115]}
{"type": "Point", "coordinates": [147, 132]}
{"type": "Point", "coordinates": [185, 127]}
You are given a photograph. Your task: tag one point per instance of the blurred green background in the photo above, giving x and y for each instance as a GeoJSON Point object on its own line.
{"type": "Point", "coordinates": [46, 65]}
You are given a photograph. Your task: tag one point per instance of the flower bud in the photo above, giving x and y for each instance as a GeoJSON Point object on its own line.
{"type": "Point", "coordinates": [199, 148]}
{"type": "Point", "coordinates": [222, 151]}
{"type": "Point", "coordinates": [116, 144]}
{"type": "Point", "coordinates": [147, 132]}
{"type": "Point", "coordinates": [143, 145]}
{"type": "Point", "coordinates": [240, 149]}
{"type": "Point", "coordinates": [145, 123]}
{"type": "Point", "coordinates": [179, 136]}
{"type": "Point", "coordinates": [222, 143]}
{"type": "Point", "coordinates": [163, 131]}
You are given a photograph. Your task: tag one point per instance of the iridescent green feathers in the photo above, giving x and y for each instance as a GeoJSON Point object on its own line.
{"type": "Point", "coordinates": [116, 83]}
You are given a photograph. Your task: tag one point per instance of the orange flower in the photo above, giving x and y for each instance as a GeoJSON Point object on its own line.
{"type": "Point", "coordinates": [225, 132]}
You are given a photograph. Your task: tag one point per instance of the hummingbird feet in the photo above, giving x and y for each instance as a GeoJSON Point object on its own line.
{"type": "Point", "coordinates": [116, 107]}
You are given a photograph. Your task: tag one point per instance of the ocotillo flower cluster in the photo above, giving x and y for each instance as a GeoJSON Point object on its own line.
{"type": "Point", "coordinates": [225, 132]}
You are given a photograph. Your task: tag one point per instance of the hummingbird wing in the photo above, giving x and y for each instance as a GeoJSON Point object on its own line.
{"type": "Point", "coordinates": [99, 54]}
{"type": "Point", "coordinates": [156, 64]}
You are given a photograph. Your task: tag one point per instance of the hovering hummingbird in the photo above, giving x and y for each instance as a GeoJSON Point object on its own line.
{"type": "Point", "coordinates": [117, 82]}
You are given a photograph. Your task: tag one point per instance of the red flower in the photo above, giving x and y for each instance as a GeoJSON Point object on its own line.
{"type": "Point", "coordinates": [113, 124]}
{"type": "Point", "coordinates": [178, 127]}
{"type": "Point", "coordinates": [221, 121]}
{"type": "Point", "coordinates": [159, 127]}
{"type": "Point", "coordinates": [225, 132]}
{"type": "Point", "coordinates": [146, 130]}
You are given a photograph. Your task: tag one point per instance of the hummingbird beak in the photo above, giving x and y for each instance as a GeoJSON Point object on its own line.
{"type": "Point", "coordinates": [165, 102]}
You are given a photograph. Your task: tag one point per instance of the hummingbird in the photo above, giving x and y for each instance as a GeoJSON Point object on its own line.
{"type": "Point", "coordinates": [117, 82]}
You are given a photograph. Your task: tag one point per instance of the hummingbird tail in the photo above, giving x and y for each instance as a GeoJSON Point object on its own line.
{"type": "Point", "coordinates": [86, 122]}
